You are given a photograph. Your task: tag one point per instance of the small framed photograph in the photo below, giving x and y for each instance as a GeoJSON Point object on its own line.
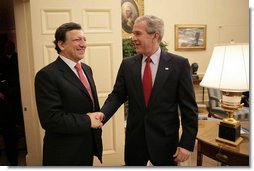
{"type": "Point", "coordinates": [190, 37]}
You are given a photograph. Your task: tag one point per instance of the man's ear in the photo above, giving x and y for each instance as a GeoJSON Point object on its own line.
{"type": "Point", "coordinates": [60, 44]}
{"type": "Point", "coordinates": [157, 35]}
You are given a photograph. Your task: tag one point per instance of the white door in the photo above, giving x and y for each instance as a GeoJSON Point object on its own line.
{"type": "Point", "coordinates": [101, 23]}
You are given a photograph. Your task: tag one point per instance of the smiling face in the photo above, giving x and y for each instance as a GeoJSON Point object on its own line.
{"type": "Point", "coordinates": [74, 46]}
{"type": "Point", "coordinates": [145, 43]}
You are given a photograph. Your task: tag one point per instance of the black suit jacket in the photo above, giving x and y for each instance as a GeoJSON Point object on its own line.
{"type": "Point", "coordinates": [62, 103]}
{"type": "Point", "coordinates": [152, 132]}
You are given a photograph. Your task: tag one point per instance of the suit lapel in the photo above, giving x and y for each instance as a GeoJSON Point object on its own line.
{"type": "Point", "coordinates": [136, 72]}
{"type": "Point", "coordinates": [90, 80]}
{"type": "Point", "coordinates": [70, 76]}
{"type": "Point", "coordinates": [164, 70]}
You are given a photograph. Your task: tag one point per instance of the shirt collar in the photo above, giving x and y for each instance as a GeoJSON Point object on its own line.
{"type": "Point", "coordinates": [154, 57]}
{"type": "Point", "coordinates": [69, 62]}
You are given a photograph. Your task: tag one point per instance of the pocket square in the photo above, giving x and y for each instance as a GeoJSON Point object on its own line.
{"type": "Point", "coordinates": [166, 68]}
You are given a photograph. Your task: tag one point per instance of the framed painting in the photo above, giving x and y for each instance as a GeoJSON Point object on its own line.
{"type": "Point", "coordinates": [130, 10]}
{"type": "Point", "coordinates": [190, 37]}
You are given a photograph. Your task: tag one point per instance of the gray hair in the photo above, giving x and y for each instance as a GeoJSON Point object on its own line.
{"type": "Point", "coordinates": [154, 24]}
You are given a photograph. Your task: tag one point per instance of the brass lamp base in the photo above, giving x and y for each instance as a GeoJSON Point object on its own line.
{"type": "Point", "coordinates": [234, 143]}
{"type": "Point", "coordinates": [229, 128]}
{"type": "Point", "coordinates": [229, 132]}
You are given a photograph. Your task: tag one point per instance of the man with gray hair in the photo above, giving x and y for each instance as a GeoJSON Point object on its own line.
{"type": "Point", "coordinates": [156, 84]}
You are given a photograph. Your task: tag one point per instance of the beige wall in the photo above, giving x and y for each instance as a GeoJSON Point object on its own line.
{"type": "Point", "coordinates": [225, 20]}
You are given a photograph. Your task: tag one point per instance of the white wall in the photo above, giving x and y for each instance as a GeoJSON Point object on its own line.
{"type": "Point", "coordinates": [225, 20]}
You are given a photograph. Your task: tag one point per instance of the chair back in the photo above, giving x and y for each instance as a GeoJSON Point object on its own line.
{"type": "Point", "coordinates": [214, 97]}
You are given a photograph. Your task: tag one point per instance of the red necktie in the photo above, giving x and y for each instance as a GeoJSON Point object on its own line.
{"type": "Point", "coordinates": [147, 81]}
{"type": "Point", "coordinates": [83, 79]}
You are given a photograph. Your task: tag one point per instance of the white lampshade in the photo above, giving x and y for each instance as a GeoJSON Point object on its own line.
{"type": "Point", "coordinates": [228, 68]}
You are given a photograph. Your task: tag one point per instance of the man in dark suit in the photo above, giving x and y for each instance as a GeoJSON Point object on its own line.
{"type": "Point", "coordinates": [152, 131]}
{"type": "Point", "coordinates": [72, 134]}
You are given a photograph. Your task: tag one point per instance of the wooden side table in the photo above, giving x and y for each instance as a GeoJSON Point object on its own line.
{"type": "Point", "coordinates": [221, 152]}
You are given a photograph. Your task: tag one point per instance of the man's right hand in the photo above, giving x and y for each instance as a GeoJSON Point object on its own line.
{"type": "Point", "coordinates": [100, 116]}
{"type": "Point", "coordinates": [95, 120]}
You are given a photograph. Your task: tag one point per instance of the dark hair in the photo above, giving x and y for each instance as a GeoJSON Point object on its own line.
{"type": "Point", "coordinates": [60, 34]}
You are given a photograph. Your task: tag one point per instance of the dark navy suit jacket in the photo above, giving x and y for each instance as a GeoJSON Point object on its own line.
{"type": "Point", "coordinates": [62, 103]}
{"type": "Point", "coordinates": [155, 128]}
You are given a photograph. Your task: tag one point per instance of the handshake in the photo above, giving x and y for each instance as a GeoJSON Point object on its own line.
{"type": "Point", "coordinates": [96, 119]}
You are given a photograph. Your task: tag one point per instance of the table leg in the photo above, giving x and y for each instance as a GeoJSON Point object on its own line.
{"type": "Point", "coordinates": [199, 155]}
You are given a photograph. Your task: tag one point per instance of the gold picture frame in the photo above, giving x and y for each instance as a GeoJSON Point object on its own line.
{"type": "Point", "coordinates": [133, 8]}
{"type": "Point", "coordinates": [190, 37]}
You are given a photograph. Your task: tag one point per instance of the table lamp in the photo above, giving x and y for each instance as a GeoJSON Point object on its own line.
{"type": "Point", "coordinates": [228, 71]}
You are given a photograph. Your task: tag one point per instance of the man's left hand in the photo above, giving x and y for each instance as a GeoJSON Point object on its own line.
{"type": "Point", "coordinates": [181, 154]}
